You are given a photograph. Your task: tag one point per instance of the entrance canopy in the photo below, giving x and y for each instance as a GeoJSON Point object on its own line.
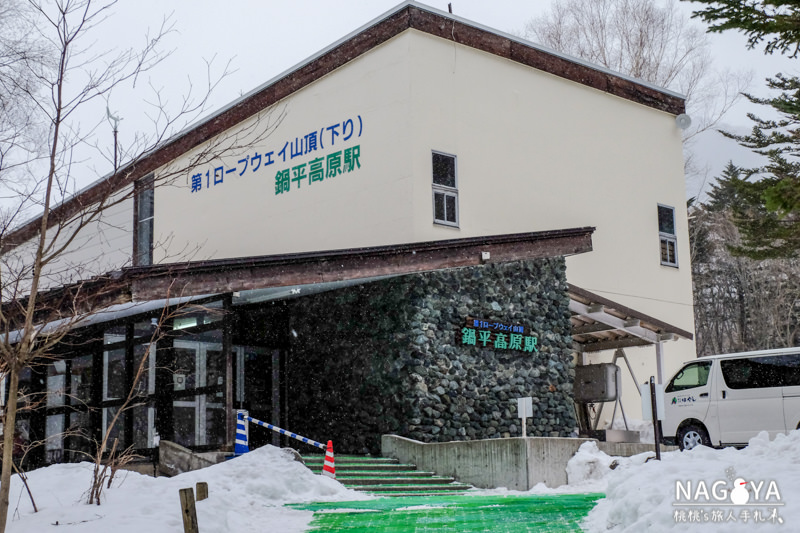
{"type": "Point", "coordinates": [601, 324]}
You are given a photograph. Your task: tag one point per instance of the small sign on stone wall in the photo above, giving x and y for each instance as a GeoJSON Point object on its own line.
{"type": "Point", "coordinates": [498, 335]}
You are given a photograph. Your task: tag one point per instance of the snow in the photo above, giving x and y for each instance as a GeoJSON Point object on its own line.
{"type": "Point", "coordinates": [641, 492]}
{"type": "Point", "coordinates": [641, 496]}
{"type": "Point", "coordinates": [244, 494]}
{"type": "Point", "coordinates": [644, 427]}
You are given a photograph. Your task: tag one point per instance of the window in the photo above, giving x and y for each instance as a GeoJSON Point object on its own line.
{"type": "Point", "coordinates": [143, 222]}
{"type": "Point", "coordinates": [445, 192]}
{"type": "Point", "coordinates": [762, 372]}
{"type": "Point", "coordinates": [666, 235]}
{"type": "Point", "coordinates": [691, 376]}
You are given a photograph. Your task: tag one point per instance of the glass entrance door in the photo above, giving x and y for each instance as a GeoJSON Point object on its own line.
{"type": "Point", "coordinates": [198, 382]}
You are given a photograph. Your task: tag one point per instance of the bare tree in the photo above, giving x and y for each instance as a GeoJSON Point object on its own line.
{"type": "Point", "coordinates": [740, 303]}
{"type": "Point", "coordinates": [22, 60]}
{"type": "Point", "coordinates": [647, 40]}
{"type": "Point", "coordinates": [43, 295]}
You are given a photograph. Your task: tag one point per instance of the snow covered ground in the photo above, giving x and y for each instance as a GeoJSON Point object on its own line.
{"type": "Point", "coordinates": [245, 496]}
{"type": "Point", "coordinates": [641, 493]}
{"type": "Point", "coordinates": [643, 496]}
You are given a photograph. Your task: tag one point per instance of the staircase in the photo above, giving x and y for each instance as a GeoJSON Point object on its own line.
{"type": "Point", "coordinates": [383, 476]}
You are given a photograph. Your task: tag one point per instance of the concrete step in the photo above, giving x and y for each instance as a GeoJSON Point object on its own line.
{"type": "Point", "coordinates": [407, 487]}
{"type": "Point", "coordinates": [360, 480]}
{"type": "Point", "coordinates": [364, 466]}
{"type": "Point", "coordinates": [378, 473]}
{"type": "Point", "coordinates": [385, 477]}
{"type": "Point", "coordinates": [350, 459]}
{"type": "Point", "coordinates": [360, 467]}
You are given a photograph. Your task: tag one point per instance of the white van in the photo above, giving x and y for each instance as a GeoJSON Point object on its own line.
{"type": "Point", "coordinates": [724, 400]}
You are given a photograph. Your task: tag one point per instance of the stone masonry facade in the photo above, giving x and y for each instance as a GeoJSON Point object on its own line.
{"type": "Point", "coordinates": [388, 357]}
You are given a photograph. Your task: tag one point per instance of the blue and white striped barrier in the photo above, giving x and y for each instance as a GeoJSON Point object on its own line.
{"type": "Point", "coordinates": [240, 446]}
{"type": "Point", "coordinates": [242, 415]}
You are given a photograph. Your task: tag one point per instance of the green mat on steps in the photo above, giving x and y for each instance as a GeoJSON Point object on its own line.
{"type": "Point", "coordinates": [462, 514]}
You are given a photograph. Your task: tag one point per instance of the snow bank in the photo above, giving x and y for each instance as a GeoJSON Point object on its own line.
{"type": "Point", "coordinates": [587, 471]}
{"type": "Point", "coordinates": [643, 497]}
{"type": "Point", "coordinates": [591, 468]}
{"type": "Point", "coordinates": [245, 496]}
{"type": "Point", "coordinates": [644, 427]}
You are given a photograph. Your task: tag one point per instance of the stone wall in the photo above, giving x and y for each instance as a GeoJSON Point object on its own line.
{"type": "Point", "coordinates": [387, 357]}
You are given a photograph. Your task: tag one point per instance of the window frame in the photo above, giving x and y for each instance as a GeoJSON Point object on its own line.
{"type": "Point", "coordinates": [446, 191]}
{"type": "Point", "coordinates": [666, 239]}
{"type": "Point", "coordinates": [672, 387]}
{"type": "Point", "coordinates": [145, 185]}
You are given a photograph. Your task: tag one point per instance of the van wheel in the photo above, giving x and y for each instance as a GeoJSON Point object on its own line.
{"type": "Point", "coordinates": [691, 436]}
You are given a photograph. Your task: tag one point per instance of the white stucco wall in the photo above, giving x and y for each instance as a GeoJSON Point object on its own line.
{"type": "Point", "coordinates": [537, 152]}
{"type": "Point", "coordinates": [369, 206]}
{"type": "Point", "coordinates": [103, 245]}
{"type": "Point", "coordinates": [534, 152]}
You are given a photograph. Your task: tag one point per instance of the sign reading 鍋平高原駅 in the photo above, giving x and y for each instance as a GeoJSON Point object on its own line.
{"type": "Point", "coordinates": [497, 335]}
{"type": "Point", "coordinates": [313, 157]}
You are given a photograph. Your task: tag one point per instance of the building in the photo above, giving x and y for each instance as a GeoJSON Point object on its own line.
{"type": "Point", "coordinates": [403, 233]}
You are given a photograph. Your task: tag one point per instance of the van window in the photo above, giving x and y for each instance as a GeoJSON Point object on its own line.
{"type": "Point", "coordinates": [791, 364]}
{"type": "Point", "coordinates": [762, 372]}
{"type": "Point", "coordinates": [690, 376]}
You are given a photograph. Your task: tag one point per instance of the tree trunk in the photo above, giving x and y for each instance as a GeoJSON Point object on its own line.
{"type": "Point", "coordinates": [8, 445]}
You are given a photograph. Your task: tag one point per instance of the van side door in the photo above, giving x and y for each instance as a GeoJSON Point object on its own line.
{"type": "Point", "coordinates": [750, 399]}
{"type": "Point", "coordinates": [791, 390]}
{"type": "Point", "coordinates": [687, 396]}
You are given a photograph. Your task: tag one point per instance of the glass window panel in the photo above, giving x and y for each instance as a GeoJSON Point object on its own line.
{"type": "Point", "coordinates": [56, 383]}
{"type": "Point", "coordinates": [185, 375]}
{"type": "Point", "coordinates": [54, 439]}
{"type": "Point", "coordinates": [668, 253]}
{"type": "Point", "coordinates": [184, 422]}
{"type": "Point", "coordinates": [145, 328]}
{"type": "Point", "coordinates": [199, 363]}
{"type": "Point", "coordinates": [22, 438]}
{"type": "Point", "coordinates": [737, 373]}
{"type": "Point", "coordinates": [114, 374]}
{"type": "Point", "coordinates": [143, 426]}
{"type": "Point", "coordinates": [438, 206]}
{"type": "Point", "coordinates": [117, 427]}
{"type": "Point", "coordinates": [694, 375]}
{"type": "Point", "coordinates": [146, 382]}
{"type": "Point", "coordinates": [666, 220]}
{"type": "Point", "coordinates": [80, 445]}
{"type": "Point", "coordinates": [215, 419]}
{"type": "Point", "coordinates": [144, 216]}
{"type": "Point", "coordinates": [790, 364]}
{"type": "Point", "coordinates": [199, 420]}
{"type": "Point", "coordinates": [80, 388]}
{"type": "Point", "coordinates": [24, 387]}
{"type": "Point", "coordinates": [444, 170]}
{"type": "Point", "coordinates": [215, 367]}
{"type": "Point", "coordinates": [451, 208]}
{"type": "Point", "coordinates": [145, 203]}
{"type": "Point", "coordinates": [198, 315]}
{"type": "Point", "coordinates": [115, 334]}
{"type": "Point", "coordinates": [144, 243]}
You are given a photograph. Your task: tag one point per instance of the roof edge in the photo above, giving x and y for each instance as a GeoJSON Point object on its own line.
{"type": "Point", "coordinates": [408, 15]}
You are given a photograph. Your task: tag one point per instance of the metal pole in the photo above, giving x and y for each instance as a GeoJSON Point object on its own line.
{"type": "Point", "coordinates": [656, 432]}
{"type": "Point", "coordinates": [660, 361]}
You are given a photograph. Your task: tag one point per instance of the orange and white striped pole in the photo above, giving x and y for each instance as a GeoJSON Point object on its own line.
{"type": "Point", "coordinates": [328, 467]}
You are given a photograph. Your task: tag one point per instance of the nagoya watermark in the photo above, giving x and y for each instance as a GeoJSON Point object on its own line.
{"type": "Point", "coordinates": [734, 499]}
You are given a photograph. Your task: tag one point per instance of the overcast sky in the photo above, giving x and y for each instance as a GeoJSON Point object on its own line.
{"type": "Point", "coordinates": [262, 39]}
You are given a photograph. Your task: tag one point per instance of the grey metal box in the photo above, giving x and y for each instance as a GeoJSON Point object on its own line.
{"type": "Point", "coordinates": [596, 383]}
